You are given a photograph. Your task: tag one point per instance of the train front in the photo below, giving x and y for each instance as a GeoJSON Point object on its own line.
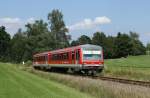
{"type": "Point", "coordinates": [92, 59]}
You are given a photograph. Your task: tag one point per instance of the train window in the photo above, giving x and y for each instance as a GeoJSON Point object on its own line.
{"type": "Point", "coordinates": [77, 55]}
{"type": "Point", "coordinates": [53, 57]}
{"type": "Point", "coordinates": [60, 57]}
{"type": "Point", "coordinates": [72, 55]}
{"type": "Point", "coordinates": [46, 58]}
{"type": "Point", "coordinates": [56, 57]}
{"type": "Point", "coordinates": [65, 56]}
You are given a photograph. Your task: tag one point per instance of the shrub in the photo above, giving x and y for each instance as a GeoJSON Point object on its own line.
{"type": "Point", "coordinates": [28, 63]}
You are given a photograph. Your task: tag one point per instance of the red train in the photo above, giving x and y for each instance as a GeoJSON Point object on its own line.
{"type": "Point", "coordinates": [83, 58]}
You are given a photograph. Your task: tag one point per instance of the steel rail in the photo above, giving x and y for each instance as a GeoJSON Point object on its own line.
{"type": "Point", "coordinates": [125, 81]}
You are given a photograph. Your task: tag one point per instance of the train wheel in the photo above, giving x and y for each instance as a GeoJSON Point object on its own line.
{"type": "Point", "coordinates": [94, 73]}
{"type": "Point", "coordinates": [70, 71]}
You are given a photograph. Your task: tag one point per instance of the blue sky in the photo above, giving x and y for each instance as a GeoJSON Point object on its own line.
{"type": "Point", "coordinates": [82, 16]}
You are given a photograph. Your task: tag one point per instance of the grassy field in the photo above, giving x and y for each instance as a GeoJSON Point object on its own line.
{"type": "Point", "coordinates": [96, 88]}
{"type": "Point", "coordinates": [15, 83]}
{"type": "Point", "coordinates": [132, 67]}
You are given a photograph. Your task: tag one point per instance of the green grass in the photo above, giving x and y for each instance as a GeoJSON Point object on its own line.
{"type": "Point", "coordinates": [96, 87]}
{"type": "Point", "coordinates": [132, 67]}
{"type": "Point", "coordinates": [15, 83]}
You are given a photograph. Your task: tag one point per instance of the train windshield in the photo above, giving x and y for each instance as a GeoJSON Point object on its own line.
{"type": "Point", "coordinates": [92, 55]}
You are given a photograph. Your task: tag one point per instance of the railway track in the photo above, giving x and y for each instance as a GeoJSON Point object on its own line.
{"type": "Point", "coordinates": [119, 80]}
{"type": "Point", "coordinates": [114, 79]}
{"type": "Point", "coordinates": [125, 81]}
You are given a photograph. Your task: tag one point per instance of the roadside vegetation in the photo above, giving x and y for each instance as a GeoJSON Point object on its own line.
{"type": "Point", "coordinates": [15, 83]}
{"type": "Point", "coordinates": [96, 88]}
{"type": "Point", "coordinates": [18, 81]}
{"type": "Point", "coordinates": [132, 67]}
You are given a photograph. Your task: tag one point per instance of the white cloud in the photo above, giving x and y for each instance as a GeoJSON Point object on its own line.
{"type": "Point", "coordinates": [10, 22]}
{"type": "Point", "coordinates": [89, 23]}
{"type": "Point", "coordinates": [31, 20]}
{"type": "Point", "coordinates": [13, 24]}
{"type": "Point", "coordinates": [147, 34]}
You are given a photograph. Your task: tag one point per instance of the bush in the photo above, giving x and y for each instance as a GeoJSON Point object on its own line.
{"type": "Point", "coordinates": [28, 63]}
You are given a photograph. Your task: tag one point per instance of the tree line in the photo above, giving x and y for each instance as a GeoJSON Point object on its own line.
{"type": "Point", "coordinates": [118, 46]}
{"type": "Point", "coordinates": [43, 36]}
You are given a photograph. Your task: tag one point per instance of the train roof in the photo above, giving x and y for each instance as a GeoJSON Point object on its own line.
{"type": "Point", "coordinates": [85, 46]}
{"type": "Point", "coordinates": [90, 46]}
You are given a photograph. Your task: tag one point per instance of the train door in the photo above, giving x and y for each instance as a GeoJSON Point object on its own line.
{"type": "Point", "coordinates": [77, 56]}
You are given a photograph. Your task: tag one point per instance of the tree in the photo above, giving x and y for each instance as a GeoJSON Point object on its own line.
{"type": "Point", "coordinates": [4, 44]}
{"type": "Point", "coordinates": [109, 47]}
{"type": "Point", "coordinates": [134, 35]}
{"type": "Point", "coordinates": [74, 43]}
{"type": "Point", "coordinates": [137, 46]}
{"type": "Point", "coordinates": [18, 44]}
{"type": "Point", "coordinates": [148, 48]}
{"type": "Point", "coordinates": [84, 40]}
{"type": "Point", "coordinates": [99, 38]}
{"type": "Point", "coordinates": [123, 45]}
{"type": "Point", "coordinates": [34, 33]}
{"type": "Point", "coordinates": [36, 28]}
{"type": "Point", "coordinates": [47, 42]}
{"type": "Point", "coordinates": [58, 28]}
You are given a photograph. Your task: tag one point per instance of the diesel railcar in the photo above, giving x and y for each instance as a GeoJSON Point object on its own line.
{"type": "Point", "coordinates": [83, 58]}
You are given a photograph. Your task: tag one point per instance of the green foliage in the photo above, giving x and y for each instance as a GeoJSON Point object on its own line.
{"type": "Point", "coordinates": [28, 63]}
{"type": "Point", "coordinates": [25, 44]}
{"type": "Point", "coordinates": [148, 46]}
{"type": "Point", "coordinates": [4, 44]}
{"type": "Point", "coordinates": [74, 43]}
{"type": "Point", "coordinates": [148, 49]}
{"type": "Point", "coordinates": [37, 28]}
{"type": "Point", "coordinates": [81, 40]}
{"type": "Point", "coordinates": [58, 28]}
{"type": "Point", "coordinates": [114, 47]}
{"type": "Point", "coordinates": [122, 45]}
{"type": "Point", "coordinates": [84, 40]}
{"type": "Point", "coordinates": [99, 38]}
{"type": "Point", "coordinates": [134, 35]}
{"type": "Point", "coordinates": [18, 48]}
{"type": "Point", "coordinates": [38, 38]}
{"type": "Point", "coordinates": [137, 46]}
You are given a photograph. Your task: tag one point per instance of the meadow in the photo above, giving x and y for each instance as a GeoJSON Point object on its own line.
{"type": "Point", "coordinates": [16, 83]}
{"type": "Point", "coordinates": [132, 67]}
{"type": "Point", "coordinates": [94, 87]}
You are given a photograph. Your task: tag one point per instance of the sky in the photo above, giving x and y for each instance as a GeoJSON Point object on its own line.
{"type": "Point", "coordinates": [82, 17]}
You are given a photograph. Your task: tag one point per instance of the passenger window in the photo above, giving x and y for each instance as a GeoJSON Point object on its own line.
{"type": "Point", "coordinates": [77, 55]}
{"type": "Point", "coordinates": [72, 55]}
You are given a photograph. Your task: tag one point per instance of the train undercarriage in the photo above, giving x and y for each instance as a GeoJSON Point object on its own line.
{"type": "Point", "coordinates": [88, 70]}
